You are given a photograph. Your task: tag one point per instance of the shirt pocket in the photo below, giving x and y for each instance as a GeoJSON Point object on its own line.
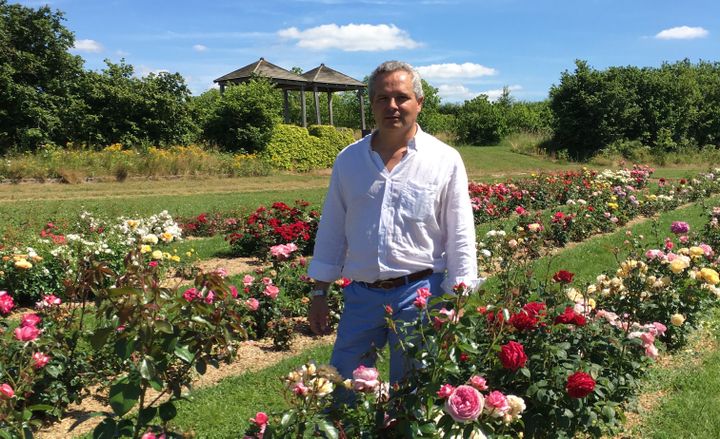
{"type": "Point", "coordinates": [418, 202]}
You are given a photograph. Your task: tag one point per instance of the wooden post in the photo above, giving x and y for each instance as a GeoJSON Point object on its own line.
{"type": "Point", "coordinates": [330, 95]}
{"type": "Point", "coordinates": [362, 110]}
{"type": "Point", "coordinates": [302, 106]}
{"type": "Point", "coordinates": [222, 87]}
{"type": "Point", "coordinates": [286, 105]}
{"type": "Point", "coordinates": [317, 105]}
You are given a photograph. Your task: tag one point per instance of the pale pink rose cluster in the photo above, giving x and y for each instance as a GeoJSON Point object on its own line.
{"type": "Point", "coordinates": [365, 379]}
{"type": "Point", "coordinates": [646, 333]}
{"type": "Point", "coordinates": [465, 403]}
{"type": "Point", "coordinates": [48, 301]}
{"type": "Point", "coordinates": [283, 251]}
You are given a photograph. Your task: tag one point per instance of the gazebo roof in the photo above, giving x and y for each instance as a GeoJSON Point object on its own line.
{"type": "Point", "coordinates": [327, 79]}
{"type": "Point", "coordinates": [282, 77]}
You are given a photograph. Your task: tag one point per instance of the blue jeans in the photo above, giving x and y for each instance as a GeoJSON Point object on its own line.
{"type": "Point", "coordinates": [362, 328]}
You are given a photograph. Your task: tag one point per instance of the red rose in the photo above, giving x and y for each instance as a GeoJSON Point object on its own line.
{"type": "Point", "coordinates": [563, 276]}
{"type": "Point", "coordinates": [570, 317]}
{"type": "Point", "coordinates": [535, 309]}
{"type": "Point", "coordinates": [512, 356]}
{"type": "Point", "coordinates": [580, 385]}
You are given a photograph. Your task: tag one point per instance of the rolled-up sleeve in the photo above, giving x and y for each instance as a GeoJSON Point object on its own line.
{"type": "Point", "coordinates": [330, 242]}
{"type": "Point", "coordinates": [459, 230]}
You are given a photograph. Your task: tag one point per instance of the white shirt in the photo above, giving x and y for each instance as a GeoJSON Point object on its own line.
{"type": "Point", "coordinates": [378, 224]}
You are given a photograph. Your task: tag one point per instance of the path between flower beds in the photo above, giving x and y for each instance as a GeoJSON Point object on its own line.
{"type": "Point", "coordinates": [251, 356]}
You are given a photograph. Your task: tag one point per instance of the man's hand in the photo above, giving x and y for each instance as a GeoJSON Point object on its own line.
{"type": "Point", "coordinates": [318, 315]}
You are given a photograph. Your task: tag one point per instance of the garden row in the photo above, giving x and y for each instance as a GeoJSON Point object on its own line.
{"type": "Point", "coordinates": [144, 334]}
{"type": "Point", "coordinates": [542, 359]}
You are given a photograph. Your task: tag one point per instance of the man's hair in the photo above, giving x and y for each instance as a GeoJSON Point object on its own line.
{"type": "Point", "coordinates": [394, 66]}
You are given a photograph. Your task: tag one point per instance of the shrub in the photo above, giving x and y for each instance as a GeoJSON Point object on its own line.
{"type": "Point", "coordinates": [299, 149]}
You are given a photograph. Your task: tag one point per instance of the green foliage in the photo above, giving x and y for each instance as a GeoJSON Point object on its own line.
{"type": "Point", "coordinates": [36, 76]}
{"type": "Point", "coordinates": [480, 122]}
{"type": "Point", "coordinates": [244, 117]}
{"type": "Point", "coordinates": [300, 149]}
{"type": "Point", "coordinates": [667, 108]}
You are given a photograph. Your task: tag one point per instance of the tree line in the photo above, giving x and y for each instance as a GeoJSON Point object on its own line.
{"type": "Point", "coordinates": [48, 97]}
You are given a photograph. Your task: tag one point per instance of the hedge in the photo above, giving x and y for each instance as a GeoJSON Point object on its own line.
{"type": "Point", "coordinates": [302, 149]}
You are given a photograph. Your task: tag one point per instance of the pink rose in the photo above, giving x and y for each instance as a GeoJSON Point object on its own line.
{"type": "Point", "coordinates": [191, 294]}
{"type": "Point", "coordinates": [365, 379]}
{"type": "Point", "coordinates": [6, 302]}
{"type": "Point", "coordinates": [151, 435]}
{"type": "Point", "coordinates": [40, 360]}
{"type": "Point", "coordinates": [6, 391]}
{"type": "Point", "coordinates": [248, 280]}
{"type": "Point", "coordinates": [271, 291]}
{"type": "Point", "coordinates": [654, 254]}
{"type": "Point", "coordinates": [420, 302]}
{"type": "Point", "coordinates": [478, 382]}
{"type": "Point", "coordinates": [651, 351]}
{"type": "Point", "coordinates": [445, 391]}
{"type": "Point", "coordinates": [152, 264]}
{"type": "Point", "coordinates": [280, 251]}
{"type": "Point", "coordinates": [496, 404]}
{"type": "Point", "coordinates": [464, 404]}
{"type": "Point", "coordinates": [210, 297]}
{"type": "Point", "coordinates": [300, 389]}
{"type": "Point", "coordinates": [48, 300]}
{"type": "Point", "coordinates": [260, 419]}
{"type": "Point", "coordinates": [660, 328]}
{"type": "Point", "coordinates": [252, 304]}
{"type": "Point", "coordinates": [30, 319]}
{"type": "Point", "coordinates": [27, 333]}
{"type": "Point", "coordinates": [233, 291]}
{"type": "Point", "coordinates": [267, 281]}
{"type": "Point", "coordinates": [647, 338]}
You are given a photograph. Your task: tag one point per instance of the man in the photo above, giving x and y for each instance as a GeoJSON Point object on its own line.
{"type": "Point", "coordinates": [397, 216]}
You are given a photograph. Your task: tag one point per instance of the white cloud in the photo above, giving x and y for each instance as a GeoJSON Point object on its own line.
{"type": "Point", "coordinates": [452, 70]}
{"type": "Point", "coordinates": [455, 92]}
{"type": "Point", "coordinates": [682, 33]}
{"type": "Point", "coordinates": [199, 48]}
{"type": "Point", "coordinates": [494, 94]}
{"type": "Point", "coordinates": [143, 70]}
{"type": "Point", "coordinates": [122, 53]}
{"type": "Point", "coordinates": [88, 46]}
{"type": "Point", "coordinates": [459, 92]}
{"type": "Point", "coordinates": [351, 37]}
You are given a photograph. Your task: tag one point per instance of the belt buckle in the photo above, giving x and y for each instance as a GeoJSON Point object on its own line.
{"type": "Point", "coordinates": [386, 284]}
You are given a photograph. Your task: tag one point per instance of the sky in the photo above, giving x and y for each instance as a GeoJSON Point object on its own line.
{"type": "Point", "coordinates": [462, 47]}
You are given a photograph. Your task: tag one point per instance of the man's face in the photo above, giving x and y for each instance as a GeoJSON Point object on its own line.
{"type": "Point", "coordinates": [394, 105]}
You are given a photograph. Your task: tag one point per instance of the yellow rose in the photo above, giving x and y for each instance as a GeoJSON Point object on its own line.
{"type": "Point", "coordinates": [591, 303]}
{"type": "Point", "coordinates": [678, 265]}
{"type": "Point", "coordinates": [166, 236]}
{"type": "Point", "coordinates": [175, 258]}
{"type": "Point", "coordinates": [710, 276]}
{"type": "Point", "coordinates": [677, 319]}
{"type": "Point", "coordinates": [157, 255]}
{"type": "Point", "coordinates": [697, 252]}
{"type": "Point", "coordinates": [23, 264]}
{"type": "Point", "coordinates": [534, 227]}
{"type": "Point", "coordinates": [188, 254]}
{"type": "Point", "coordinates": [145, 249]}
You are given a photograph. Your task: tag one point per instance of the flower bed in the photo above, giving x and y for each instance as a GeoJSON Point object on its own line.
{"type": "Point", "coordinates": [542, 359]}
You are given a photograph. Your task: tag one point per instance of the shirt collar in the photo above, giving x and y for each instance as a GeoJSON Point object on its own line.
{"type": "Point", "coordinates": [412, 144]}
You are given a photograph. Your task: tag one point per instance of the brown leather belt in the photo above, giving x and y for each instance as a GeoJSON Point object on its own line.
{"type": "Point", "coordinates": [388, 284]}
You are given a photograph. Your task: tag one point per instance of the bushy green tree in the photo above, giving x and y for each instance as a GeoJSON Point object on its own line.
{"type": "Point", "coordinates": [245, 116]}
{"type": "Point", "coordinates": [480, 122]}
{"type": "Point", "coordinates": [36, 76]}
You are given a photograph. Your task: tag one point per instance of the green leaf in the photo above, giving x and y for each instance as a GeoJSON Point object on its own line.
{"type": "Point", "coordinates": [525, 372]}
{"type": "Point", "coordinates": [40, 408]}
{"type": "Point", "coordinates": [123, 396]}
{"type": "Point", "coordinates": [287, 418]}
{"type": "Point", "coordinates": [156, 384]}
{"type": "Point", "coordinates": [146, 415]}
{"type": "Point", "coordinates": [183, 353]}
{"type": "Point", "coordinates": [124, 348]}
{"type": "Point", "coordinates": [147, 368]}
{"type": "Point", "coordinates": [125, 428]}
{"type": "Point", "coordinates": [117, 292]}
{"type": "Point", "coordinates": [167, 411]}
{"type": "Point", "coordinates": [608, 412]}
{"type": "Point", "coordinates": [326, 427]}
{"type": "Point", "coordinates": [201, 320]}
{"type": "Point", "coordinates": [105, 429]}
{"type": "Point", "coordinates": [26, 414]}
{"type": "Point", "coordinates": [99, 337]}
{"type": "Point", "coordinates": [164, 326]}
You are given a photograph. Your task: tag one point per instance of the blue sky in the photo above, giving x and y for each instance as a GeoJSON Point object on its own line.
{"type": "Point", "coordinates": [462, 47]}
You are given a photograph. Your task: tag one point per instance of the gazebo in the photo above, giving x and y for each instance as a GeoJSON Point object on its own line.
{"type": "Point", "coordinates": [320, 79]}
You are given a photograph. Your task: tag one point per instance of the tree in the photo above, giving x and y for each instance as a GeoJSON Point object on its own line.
{"type": "Point", "coordinates": [245, 116]}
{"type": "Point", "coordinates": [36, 76]}
{"type": "Point", "coordinates": [479, 122]}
